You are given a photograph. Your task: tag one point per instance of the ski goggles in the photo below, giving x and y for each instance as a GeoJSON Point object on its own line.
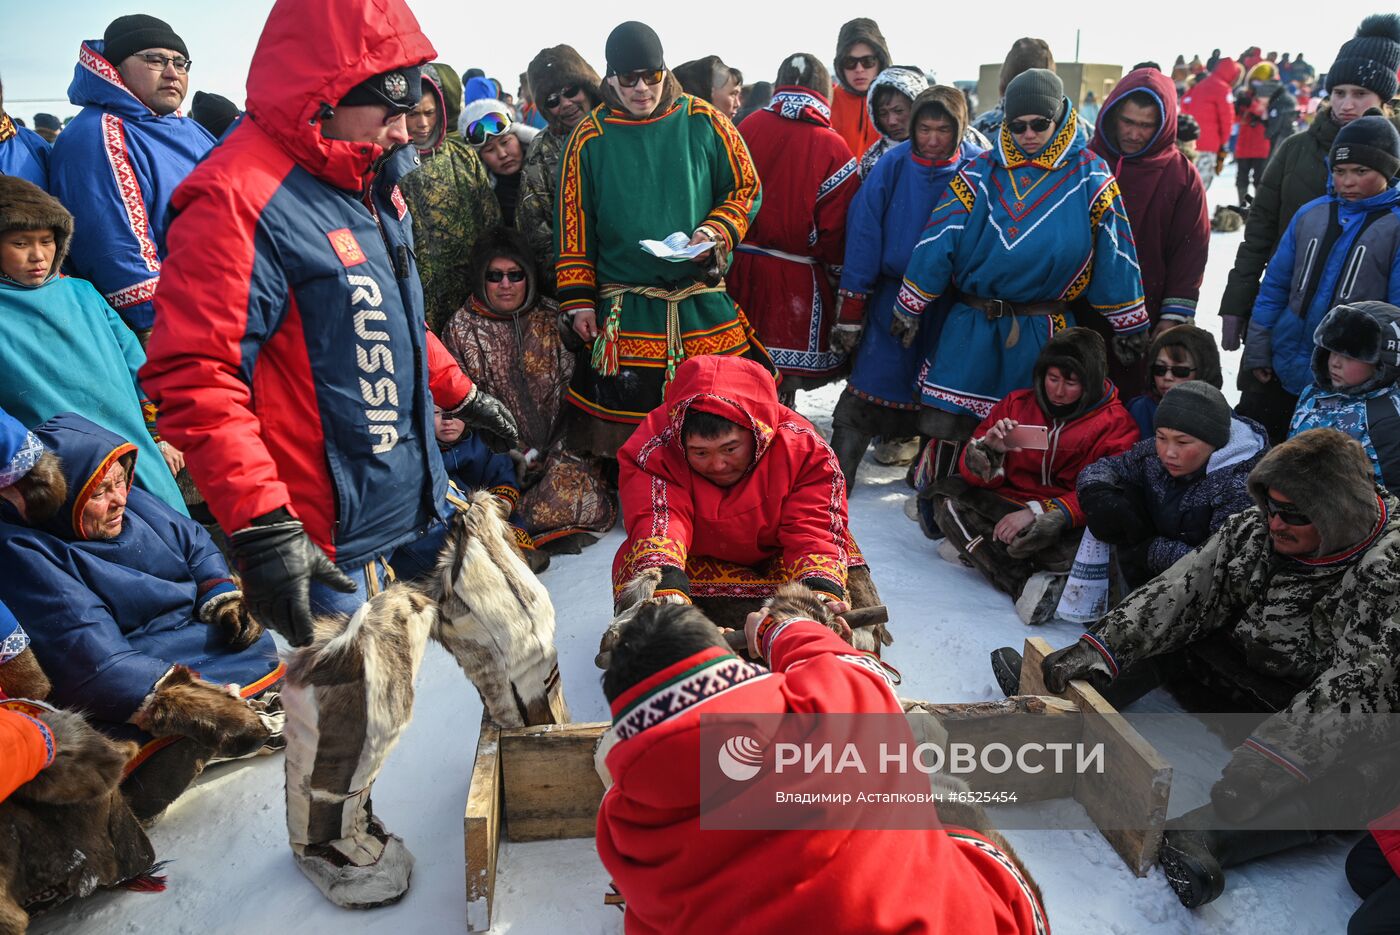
{"type": "Point", "coordinates": [496, 275]}
{"type": "Point", "coordinates": [483, 128]}
{"type": "Point", "coordinates": [1180, 371]}
{"type": "Point", "coordinates": [1038, 124]}
{"type": "Point", "coordinates": [1287, 512]}
{"type": "Point", "coordinates": [652, 77]}
{"type": "Point", "coordinates": [557, 98]}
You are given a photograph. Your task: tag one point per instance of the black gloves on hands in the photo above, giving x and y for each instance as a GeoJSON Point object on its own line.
{"type": "Point", "coordinates": [277, 563]}
{"type": "Point", "coordinates": [484, 412]}
{"type": "Point", "coordinates": [1114, 515]}
{"type": "Point", "coordinates": [1076, 661]}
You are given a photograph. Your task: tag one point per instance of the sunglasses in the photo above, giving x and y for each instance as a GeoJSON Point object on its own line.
{"type": "Point", "coordinates": [555, 99]}
{"type": "Point", "coordinates": [1038, 124]}
{"type": "Point", "coordinates": [1287, 513]}
{"type": "Point", "coordinates": [652, 78]}
{"type": "Point", "coordinates": [1180, 371]}
{"type": "Point", "coordinates": [483, 128]}
{"type": "Point", "coordinates": [860, 61]}
{"type": "Point", "coordinates": [496, 275]}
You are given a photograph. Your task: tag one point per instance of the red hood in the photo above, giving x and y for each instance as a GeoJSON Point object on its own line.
{"type": "Point", "coordinates": [312, 52]}
{"type": "Point", "coordinates": [732, 388]}
{"type": "Point", "coordinates": [1227, 70]}
{"type": "Point", "coordinates": [1160, 87]}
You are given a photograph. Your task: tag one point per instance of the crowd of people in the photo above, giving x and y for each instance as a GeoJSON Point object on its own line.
{"type": "Point", "coordinates": [316, 321]}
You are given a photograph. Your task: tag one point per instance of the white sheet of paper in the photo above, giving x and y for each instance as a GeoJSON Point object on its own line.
{"type": "Point", "coordinates": [676, 247]}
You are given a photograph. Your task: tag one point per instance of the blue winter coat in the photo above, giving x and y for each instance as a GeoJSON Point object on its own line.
{"type": "Point", "coordinates": [882, 226]}
{"type": "Point", "coordinates": [1143, 409]}
{"type": "Point", "coordinates": [114, 167]}
{"type": "Point", "coordinates": [26, 155]}
{"type": "Point", "coordinates": [1185, 511]}
{"type": "Point", "coordinates": [109, 617]}
{"type": "Point", "coordinates": [1354, 415]}
{"type": "Point", "coordinates": [474, 466]}
{"type": "Point", "coordinates": [1281, 335]}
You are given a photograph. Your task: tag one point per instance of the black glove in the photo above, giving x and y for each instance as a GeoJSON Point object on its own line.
{"type": "Point", "coordinates": [1131, 347]}
{"type": "Point", "coordinates": [1077, 661]}
{"type": "Point", "coordinates": [1114, 515]}
{"type": "Point", "coordinates": [480, 410]}
{"type": "Point", "coordinates": [277, 562]}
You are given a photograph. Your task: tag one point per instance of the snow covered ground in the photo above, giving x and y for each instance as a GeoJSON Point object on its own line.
{"type": "Point", "coordinates": [230, 869]}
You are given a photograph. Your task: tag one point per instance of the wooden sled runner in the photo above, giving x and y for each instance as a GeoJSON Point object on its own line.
{"type": "Point", "coordinates": [539, 783]}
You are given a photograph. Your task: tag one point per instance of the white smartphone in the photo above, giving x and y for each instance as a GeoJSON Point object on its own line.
{"type": "Point", "coordinates": [1034, 437]}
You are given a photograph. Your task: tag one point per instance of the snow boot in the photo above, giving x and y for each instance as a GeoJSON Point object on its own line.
{"type": "Point", "coordinates": [849, 445]}
{"type": "Point", "coordinates": [951, 554]}
{"type": "Point", "coordinates": [352, 886]}
{"type": "Point", "coordinates": [1040, 597]}
{"type": "Point", "coordinates": [1006, 669]}
{"type": "Point", "coordinates": [896, 451]}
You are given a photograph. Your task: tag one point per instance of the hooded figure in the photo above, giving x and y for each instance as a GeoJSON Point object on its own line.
{"type": "Point", "coordinates": [518, 356]}
{"type": "Point", "coordinates": [1183, 345]}
{"type": "Point", "coordinates": [1166, 205]}
{"type": "Point", "coordinates": [449, 197]}
{"type": "Point", "coordinates": [1368, 411]}
{"type": "Point", "coordinates": [850, 117]}
{"type": "Point", "coordinates": [121, 162]}
{"type": "Point", "coordinates": [23, 152]}
{"type": "Point", "coordinates": [782, 271]}
{"type": "Point", "coordinates": [507, 183]}
{"type": "Point", "coordinates": [784, 519]}
{"type": "Point", "coordinates": [897, 80]}
{"type": "Point", "coordinates": [552, 72]}
{"type": "Point", "coordinates": [63, 348]}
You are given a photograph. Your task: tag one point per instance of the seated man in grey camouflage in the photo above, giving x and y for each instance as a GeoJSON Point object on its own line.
{"type": "Point", "coordinates": [1288, 610]}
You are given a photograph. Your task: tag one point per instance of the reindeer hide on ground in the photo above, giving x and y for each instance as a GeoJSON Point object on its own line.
{"type": "Point", "coordinates": [496, 619]}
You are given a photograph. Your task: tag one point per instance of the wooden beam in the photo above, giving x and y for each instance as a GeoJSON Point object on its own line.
{"type": "Point", "coordinates": [482, 827]}
{"type": "Point", "coordinates": [1128, 800]}
{"type": "Point", "coordinates": [551, 787]}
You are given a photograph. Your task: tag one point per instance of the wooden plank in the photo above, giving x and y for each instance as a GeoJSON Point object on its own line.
{"type": "Point", "coordinates": [1128, 800]}
{"type": "Point", "coordinates": [551, 787]}
{"type": "Point", "coordinates": [482, 828]}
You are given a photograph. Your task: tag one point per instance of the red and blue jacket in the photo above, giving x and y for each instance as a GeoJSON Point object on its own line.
{"type": "Point", "coordinates": [290, 359]}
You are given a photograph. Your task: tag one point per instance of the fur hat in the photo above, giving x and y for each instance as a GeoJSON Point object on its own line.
{"type": "Point", "coordinates": [802, 70]}
{"type": "Point", "coordinates": [633, 46]}
{"type": "Point", "coordinates": [1369, 141]}
{"type": "Point", "coordinates": [557, 68]}
{"type": "Point", "coordinates": [25, 206]}
{"type": "Point", "coordinates": [1188, 128]}
{"type": "Point", "coordinates": [905, 80]}
{"type": "Point", "coordinates": [698, 76]}
{"type": "Point", "coordinates": [510, 243]}
{"type": "Point", "coordinates": [1197, 342]}
{"type": "Point", "coordinates": [1198, 409]}
{"type": "Point", "coordinates": [1368, 331]}
{"type": "Point", "coordinates": [948, 100]}
{"type": "Point", "coordinates": [127, 35]}
{"type": "Point", "coordinates": [1080, 351]}
{"type": "Point", "coordinates": [864, 30]}
{"type": "Point", "coordinates": [1371, 58]}
{"type": "Point", "coordinates": [1035, 92]}
{"type": "Point", "coordinates": [1026, 53]}
{"type": "Point", "coordinates": [1327, 475]}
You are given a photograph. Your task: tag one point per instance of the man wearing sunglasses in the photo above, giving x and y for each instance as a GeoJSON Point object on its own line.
{"type": "Point", "coordinates": [861, 54]}
{"type": "Point", "coordinates": [565, 89]}
{"type": "Point", "coordinates": [117, 163]}
{"type": "Point", "coordinates": [1289, 609]}
{"type": "Point", "coordinates": [291, 362]}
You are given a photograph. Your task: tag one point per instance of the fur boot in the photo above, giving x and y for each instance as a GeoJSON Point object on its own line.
{"type": "Point", "coordinates": [348, 697]}
{"type": "Point", "coordinates": [214, 716]}
{"type": "Point", "coordinates": [496, 619]}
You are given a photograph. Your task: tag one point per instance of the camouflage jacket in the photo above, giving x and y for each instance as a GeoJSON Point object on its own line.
{"type": "Point", "coordinates": [1328, 623]}
{"type": "Point", "coordinates": [452, 203]}
{"type": "Point", "coordinates": [534, 214]}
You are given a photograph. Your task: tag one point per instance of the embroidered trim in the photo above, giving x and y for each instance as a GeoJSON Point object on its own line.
{"type": "Point", "coordinates": [1104, 651]}
{"type": "Point", "coordinates": [970, 839]}
{"type": "Point", "coordinates": [129, 188]}
{"type": "Point", "coordinates": [798, 103]}
{"type": "Point", "coordinates": [14, 643]}
{"type": "Point", "coordinates": [707, 680]}
{"type": "Point", "coordinates": [842, 174]}
{"type": "Point", "coordinates": [134, 294]}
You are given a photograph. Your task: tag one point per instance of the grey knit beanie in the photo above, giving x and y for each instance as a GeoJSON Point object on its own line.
{"type": "Point", "coordinates": [1198, 409]}
{"type": "Point", "coordinates": [1036, 92]}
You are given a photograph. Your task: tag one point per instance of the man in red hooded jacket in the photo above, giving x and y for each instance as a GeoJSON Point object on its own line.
{"type": "Point", "coordinates": [730, 494]}
{"type": "Point", "coordinates": [670, 669]}
{"type": "Point", "coordinates": [1208, 101]}
{"type": "Point", "coordinates": [1166, 202]}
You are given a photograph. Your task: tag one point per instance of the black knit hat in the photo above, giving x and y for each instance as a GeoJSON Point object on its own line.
{"type": "Point", "coordinates": [1035, 92]}
{"type": "Point", "coordinates": [1370, 141]}
{"type": "Point", "coordinates": [128, 35]}
{"type": "Point", "coordinates": [1198, 409]}
{"type": "Point", "coordinates": [633, 46]}
{"type": "Point", "coordinates": [47, 122]}
{"type": "Point", "coordinates": [401, 89]}
{"type": "Point", "coordinates": [1372, 58]}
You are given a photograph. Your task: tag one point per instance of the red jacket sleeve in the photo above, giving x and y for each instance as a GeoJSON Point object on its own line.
{"type": "Point", "coordinates": [448, 383]}
{"type": "Point", "coordinates": [1186, 247]}
{"type": "Point", "coordinates": [660, 518]}
{"type": "Point", "coordinates": [822, 673]}
{"type": "Point", "coordinates": [813, 520]}
{"type": "Point", "coordinates": [1387, 834]}
{"type": "Point", "coordinates": [834, 197]}
{"type": "Point", "coordinates": [26, 747]}
{"type": "Point", "coordinates": [1225, 116]}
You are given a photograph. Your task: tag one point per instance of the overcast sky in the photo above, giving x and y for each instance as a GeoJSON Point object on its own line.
{"type": "Point", "coordinates": [41, 39]}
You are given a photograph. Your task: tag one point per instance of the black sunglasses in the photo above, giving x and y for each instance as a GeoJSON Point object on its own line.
{"type": "Point", "coordinates": [652, 78]}
{"type": "Point", "coordinates": [1287, 513]}
{"type": "Point", "coordinates": [1038, 124]}
{"type": "Point", "coordinates": [496, 275]}
{"type": "Point", "coordinates": [554, 99]}
{"type": "Point", "coordinates": [861, 61]}
{"type": "Point", "coordinates": [1180, 371]}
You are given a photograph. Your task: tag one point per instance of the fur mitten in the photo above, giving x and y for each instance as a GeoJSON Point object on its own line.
{"type": "Point", "coordinates": [982, 460]}
{"type": "Point", "coordinates": [214, 716]}
{"type": "Point", "coordinates": [228, 614]}
{"type": "Point", "coordinates": [1041, 534]}
{"type": "Point", "coordinates": [86, 764]}
{"type": "Point", "coordinates": [23, 677]}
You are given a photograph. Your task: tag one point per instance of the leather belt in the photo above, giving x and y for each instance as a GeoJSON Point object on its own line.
{"type": "Point", "coordinates": [1000, 308]}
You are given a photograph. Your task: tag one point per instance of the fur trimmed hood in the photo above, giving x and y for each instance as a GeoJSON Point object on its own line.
{"type": "Point", "coordinates": [1197, 342]}
{"type": "Point", "coordinates": [864, 30]}
{"type": "Point", "coordinates": [557, 68]}
{"type": "Point", "coordinates": [952, 102]}
{"type": "Point", "coordinates": [905, 79]}
{"type": "Point", "coordinates": [1327, 474]}
{"type": "Point", "coordinates": [27, 207]}
{"type": "Point", "coordinates": [1368, 331]}
{"type": "Point", "coordinates": [504, 242]}
{"type": "Point", "coordinates": [1082, 351]}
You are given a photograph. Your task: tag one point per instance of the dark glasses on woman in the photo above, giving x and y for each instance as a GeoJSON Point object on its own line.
{"type": "Point", "coordinates": [860, 61]}
{"type": "Point", "coordinates": [630, 79]}
{"type": "Point", "coordinates": [1287, 512]}
{"type": "Point", "coordinates": [1038, 124]}
{"type": "Point", "coordinates": [483, 128]}
{"type": "Point", "coordinates": [496, 275]}
{"type": "Point", "coordinates": [554, 99]}
{"type": "Point", "coordinates": [1180, 371]}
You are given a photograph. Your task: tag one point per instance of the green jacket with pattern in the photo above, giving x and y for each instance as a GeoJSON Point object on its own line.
{"type": "Point", "coordinates": [534, 214]}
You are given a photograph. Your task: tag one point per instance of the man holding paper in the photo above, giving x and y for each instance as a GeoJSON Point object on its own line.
{"type": "Point", "coordinates": [650, 162]}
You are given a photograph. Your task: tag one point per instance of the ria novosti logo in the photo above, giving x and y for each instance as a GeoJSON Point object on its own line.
{"type": "Point", "coordinates": [740, 758]}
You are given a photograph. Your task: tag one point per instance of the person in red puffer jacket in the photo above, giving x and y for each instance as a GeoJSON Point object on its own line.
{"type": "Point", "coordinates": [1208, 101]}
{"type": "Point", "coordinates": [1373, 870]}
{"type": "Point", "coordinates": [1252, 145]}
